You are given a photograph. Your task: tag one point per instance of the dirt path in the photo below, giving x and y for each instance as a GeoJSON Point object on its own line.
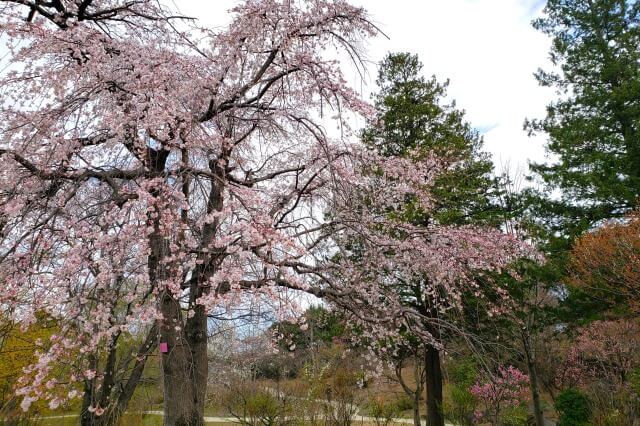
{"type": "Point", "coordinates": [357, 419]}
{"type": "Point", "coordinates": [208, 419]}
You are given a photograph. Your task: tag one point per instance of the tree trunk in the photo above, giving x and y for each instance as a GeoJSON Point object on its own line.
{"type": "Point", "coordinates": [533, 378]}
{"type": "Point", "coordinates": [197, 338]}
{"type": "Point", "coordinates": [182, 366]}
{"type": "Point", "coordinates": [413, 393]}
{"type": "Point", "coordinates": [86, 417]}
{"type": "Point", "coordinates": [126, 393]}
{"type": "Point", "coordinates": [435, 417]}
{"type": "Point", "coordinates": [90, 419]}
{"type": "Point", "coordinates": [185, 363]}
{"type": "Point", "coordinates": [418, 375]}
{"type": "Point", "coordinates": [113, 411]}
{"type": "Point", "coordinates": [416, 410]}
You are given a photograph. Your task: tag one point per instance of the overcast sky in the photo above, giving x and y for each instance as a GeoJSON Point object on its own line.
{"type": "Point", "coordinates": [487, 48]}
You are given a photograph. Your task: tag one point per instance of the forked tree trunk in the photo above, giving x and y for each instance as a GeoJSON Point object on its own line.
{"type": "Point", "coordinates": [416, 392]}
{"type": "Point", "coordinates": [418, 375]}
{"type": "Point", "coordinates": [435, 416]}
{"type": "Point", "coordinates": [183, 398]}
{"type": "Point", "coordinates": [184, 364]}
{"type": "Point", "coordinates": [115, 409]}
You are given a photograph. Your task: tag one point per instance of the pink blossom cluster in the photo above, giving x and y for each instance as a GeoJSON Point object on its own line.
{"type": "Point", "coordinates": [509, 387]}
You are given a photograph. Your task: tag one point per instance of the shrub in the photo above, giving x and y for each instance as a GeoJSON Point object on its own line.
{"type": "Point", "coordinates": [573, 408]}
{"type": "Point", "coordinates": [459, 405]}
{"type": "Point", "coordinates": [508, 388]}
{"type": "Point", "coordinates": [341, 395]}
{"type": "Point", "coordinates": [404, 403]}
{"type": "Point", "coordinates": [459, 402]}
{"type": "Point", "coordinates": [383, 411]}
{"type": "Point", "coordinates": [515, 416]}
{"type": "Point", "coordinates": [463, 372]}
{"type": "Point", "coordinates": [612, 407]}
{"type": "Point", "coordinates": [252, 406]}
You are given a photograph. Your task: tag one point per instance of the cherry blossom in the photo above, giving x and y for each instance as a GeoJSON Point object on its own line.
{"type": "Point", "coordinates": [152, 172]}
{"type": "Point", "coordinates": [508, 388]}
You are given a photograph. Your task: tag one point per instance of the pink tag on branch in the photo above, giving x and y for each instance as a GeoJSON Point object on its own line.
{"type": "Point", "coordinates": [164, 347]}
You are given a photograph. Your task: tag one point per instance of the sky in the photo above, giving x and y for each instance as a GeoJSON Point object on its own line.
{"type": "Point", "coordinates": [486, 48]}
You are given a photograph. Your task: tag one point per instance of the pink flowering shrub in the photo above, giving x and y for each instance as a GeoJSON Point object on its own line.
{"type": "Point", "coordinates": [601, 362]}
{"type": "Point", "coordinates": [508, 388]}
{"type": "Point", "coordinates": [605, 351]}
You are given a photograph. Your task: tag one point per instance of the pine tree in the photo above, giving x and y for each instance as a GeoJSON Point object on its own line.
{"type": "Point", "coordinates": [592, 128]}
{"type": "Point", "coordinates": [413, 115]}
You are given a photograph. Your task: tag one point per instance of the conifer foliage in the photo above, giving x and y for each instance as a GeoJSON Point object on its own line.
{"type": "Point", "coordinates": [593, 127]}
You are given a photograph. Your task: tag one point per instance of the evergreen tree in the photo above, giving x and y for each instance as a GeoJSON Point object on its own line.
{"type": "Point", "coordinates": [413, 115]}
{"type": "Point", "coordinates": [592, 131]}
{"type": "Point", "coordinates": [593, 126]}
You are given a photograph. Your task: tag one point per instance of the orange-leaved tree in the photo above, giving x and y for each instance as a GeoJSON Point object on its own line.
{"type": "Point", "coordinates": [606, 263]}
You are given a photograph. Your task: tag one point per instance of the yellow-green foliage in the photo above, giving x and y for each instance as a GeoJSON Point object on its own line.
{"type": "Point", "coordinates": [383, 411]}
{"type": "Point", "coordinates": [17, 351]}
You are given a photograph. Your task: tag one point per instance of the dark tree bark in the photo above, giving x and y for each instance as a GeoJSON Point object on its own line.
{"type": "Point", "coordinates": [182, 366]}
{"type": "Point", "coordinates": [433, 370]}
{"type": "Point", "coordinates": [418, 373]}
{"type": "Point", "coordinates": [185, 365]}
{"type": "Point", "coordinates": [435, 416]}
